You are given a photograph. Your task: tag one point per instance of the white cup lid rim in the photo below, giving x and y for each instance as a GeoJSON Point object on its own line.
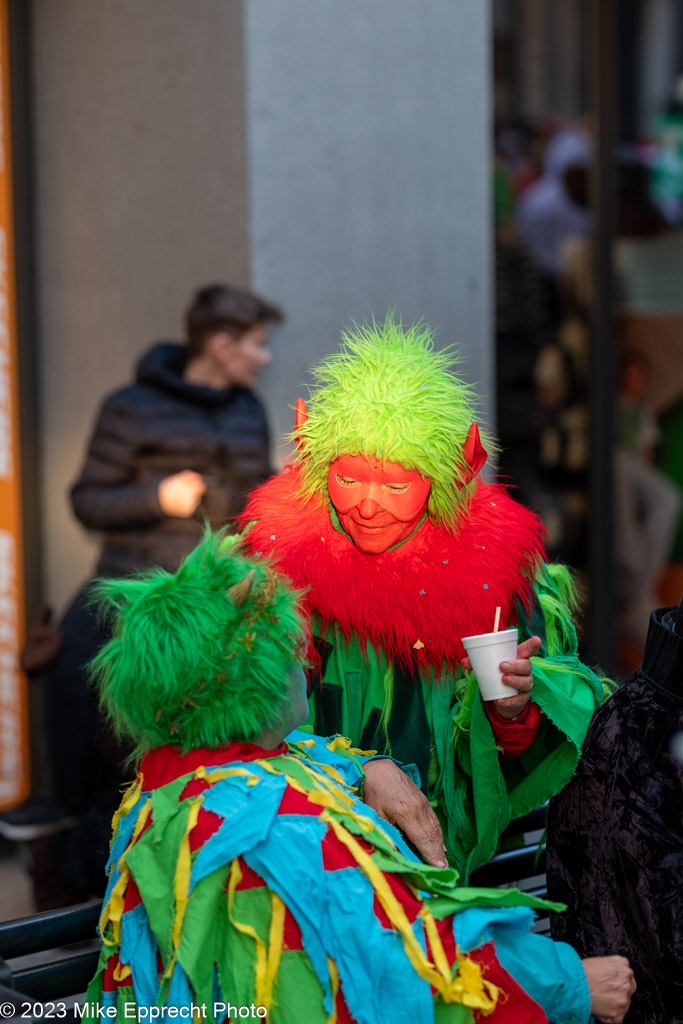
{"type": "Point", "coordinates": [503, 635]}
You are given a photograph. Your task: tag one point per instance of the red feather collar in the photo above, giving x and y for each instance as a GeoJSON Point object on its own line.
{"type": "Point", "coordinates": [435, 588]}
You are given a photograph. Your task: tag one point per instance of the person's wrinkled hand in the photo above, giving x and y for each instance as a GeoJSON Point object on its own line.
{"type": "Point", "coordinates": [611, 984]}
{"type": "Point", "coordinates": [180, 494]}
{"type": "Point", "coordinates": [396, 798]}
{"type": "Point", "coordinates": [516, 673]}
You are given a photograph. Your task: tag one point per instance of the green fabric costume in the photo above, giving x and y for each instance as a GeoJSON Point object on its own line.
{"type": "Point", "coordinates": [435, 720]}
{"type": "Point", "coordinates": [428, 725]}
{"type": "Point", "coordinates": [388, 624]}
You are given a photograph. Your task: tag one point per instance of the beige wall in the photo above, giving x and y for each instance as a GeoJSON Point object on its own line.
{"type": "Point", "coordinates": [139, 161]}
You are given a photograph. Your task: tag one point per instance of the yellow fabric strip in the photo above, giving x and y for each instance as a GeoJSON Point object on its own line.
{"type": "Point", "coordinates": [390, 904]}
{"type": "Point", "coordinates": [128, 801]}
{"type": "Point", "coordinates": [182, 873]}
{"type": "Point", "coordinates": [246, 929]}
{"type": "Point", "coordinates": [451, 990]}
{"type": "Point", "coordinates": [319, 783]}
{"type": "Point", "coordinates": [334, 984]}
{"type": "Point", "coordinates": [216, 775]}
{"type": "Point", "coordinates": [122, 971]}
{"type": "Point", "coordinates": [323, 794]}
{"type": "Point", "coordinates": [113, 909]}
{"type": "Point", "coordinates": [474, 991]}
{"type": "Point", "coordinates": [347, 803]}
{"type": "Point", "coordinates": [473, 980]}
{"type": "Point", "coordinates": [331, 771]}
{"type": "Point", "coordinates": [276, 938]}
{"type": "Point", "coordinates": [343, 743]}
{"type": "Point", "coordinates": [435, 943]}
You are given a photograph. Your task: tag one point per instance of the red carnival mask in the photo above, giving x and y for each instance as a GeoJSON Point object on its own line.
{"type": "Point", "coordinates": [378, 504]}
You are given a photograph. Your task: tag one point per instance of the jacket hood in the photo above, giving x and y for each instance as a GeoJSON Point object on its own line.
{"type": "Point", "coordinates": [162, 366]}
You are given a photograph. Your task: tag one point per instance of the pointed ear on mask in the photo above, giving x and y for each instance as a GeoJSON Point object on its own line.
{"type": "Point", "coordinates": [474, 454]}
{"type": "Point", "coordinates": [300, 418]}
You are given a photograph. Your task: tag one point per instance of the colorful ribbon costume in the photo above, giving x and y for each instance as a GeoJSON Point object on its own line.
{"type": "Point", "coordinates": [248, 877]}
{"type": "Point", "coordinates": [247, 881]}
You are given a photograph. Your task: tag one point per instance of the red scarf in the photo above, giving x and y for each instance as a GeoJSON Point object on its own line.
{"type": "Point", "coordinates": [434, 589]}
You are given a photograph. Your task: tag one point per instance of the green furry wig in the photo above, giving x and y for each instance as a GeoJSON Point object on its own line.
{"type": "Point", "coordinates": [198, 658]}
{"type": "Point", "coordinates": [388, 393]}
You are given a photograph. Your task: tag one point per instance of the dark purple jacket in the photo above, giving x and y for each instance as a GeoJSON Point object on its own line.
{"type": "Point", "coordinates": [615, 833]}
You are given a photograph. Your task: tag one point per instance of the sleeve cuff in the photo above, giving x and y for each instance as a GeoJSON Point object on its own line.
{"type": "Point", "coordinates": [514, 736]}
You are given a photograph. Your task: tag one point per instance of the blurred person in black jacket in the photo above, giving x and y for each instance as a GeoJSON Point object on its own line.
{"type": "Point", "coordinates": [183, 444]}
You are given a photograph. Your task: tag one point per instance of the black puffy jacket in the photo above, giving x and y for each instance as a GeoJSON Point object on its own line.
{"type": "Point", "coordinates": [158, 426]}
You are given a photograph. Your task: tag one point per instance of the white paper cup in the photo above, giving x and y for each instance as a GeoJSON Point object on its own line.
{"type": "Point", "coordinates": [486, 651]}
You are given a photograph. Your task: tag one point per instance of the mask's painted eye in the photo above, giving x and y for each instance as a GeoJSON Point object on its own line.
{"type": "Point", "coordinates": [346, 481]}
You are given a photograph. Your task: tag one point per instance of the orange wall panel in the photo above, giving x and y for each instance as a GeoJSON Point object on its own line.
{"type": "Point", "coordinates": [14, 775]}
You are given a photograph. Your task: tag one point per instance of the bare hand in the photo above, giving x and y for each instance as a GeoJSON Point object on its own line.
{"type": "Point", "coordinates": [180, 494]}
{"type": "Point", "coordinates": [611, 985]}
{"type": "Point", "coordinates": [518, 674]}
{"type": "Point", "coordinates": [391, 793]}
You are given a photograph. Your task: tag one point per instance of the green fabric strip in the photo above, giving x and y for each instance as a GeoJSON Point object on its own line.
{"type": "Point", "coordinates": [153, 860]}
{"type": "Point", "coordinates": [297, 994]}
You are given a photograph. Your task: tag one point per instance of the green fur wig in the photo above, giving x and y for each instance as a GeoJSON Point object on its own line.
{"type": "Point", "coordinates": [201, 656]}
{"type": "Point", "coordinates": [388, 393]}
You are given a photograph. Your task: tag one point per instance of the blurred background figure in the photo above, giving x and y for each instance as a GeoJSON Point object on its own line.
{"type": "Point", "coordinates": [667, 170]}
{"type": "Point", "coordinates": [549, 216]}
{"type": "Point", "coordinates": [183, 444]}
{"type": "Point", "coordinates": [647, 503]}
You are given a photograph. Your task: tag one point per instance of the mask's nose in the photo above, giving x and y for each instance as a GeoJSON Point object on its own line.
{"type": "Point", "coordinates": [368, 508]}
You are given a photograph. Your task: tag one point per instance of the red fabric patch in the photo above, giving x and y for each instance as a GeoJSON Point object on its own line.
{"type": "Point", "coordinates": [401, 890]}
{"type": "Point", "coordinates": [445, 930]}
{"type": "Point", "coordinates": [517, 736]}
{"type": "Point", "coordinates": [108, 983]}
{"type": "Point", "coordinates": [292, 933]}
{"type": "Point", "coordinates": [336, 855]}
{"type": "Point", "coordinates": [207, 824]}
{"type": "Point", "coordinates": [250, 879]}
{"type": "Point", "coordinates": [194, 788]}
{"type": "Point", "coordinates": [167, 763]}
{"type": "Point", "coordinates": [343, 1012]}
{"type": "Point", "coordinates": [514, 1006]}
{"type": "Point", "coordinates": [132, 897]}
{"type": "Point", "coordinates": [438, 587]}
{"type": "Point", "coordinates": [294, 802]}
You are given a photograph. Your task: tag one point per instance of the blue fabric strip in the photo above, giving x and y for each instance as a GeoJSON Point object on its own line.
{"type": "Point", "coordinates": [248, 812]}
{"type": "Point", "coordinates": [139, 949]}
{"type": "Point", "coordinates": [334, 910]}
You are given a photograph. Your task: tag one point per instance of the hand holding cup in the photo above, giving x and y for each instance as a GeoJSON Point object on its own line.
{"type": "Point", "coordinates": [511, 674]}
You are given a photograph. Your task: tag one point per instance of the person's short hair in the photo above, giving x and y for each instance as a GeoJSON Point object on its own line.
{"type": "Point", "coordinates": [218, 307]}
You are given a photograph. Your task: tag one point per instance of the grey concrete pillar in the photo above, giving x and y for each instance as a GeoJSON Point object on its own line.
{"type": "Point", "coordinates": [369, 174]}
